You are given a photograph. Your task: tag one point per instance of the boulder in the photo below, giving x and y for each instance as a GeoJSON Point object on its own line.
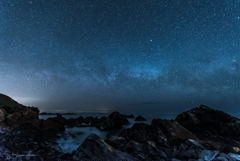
{"type": "Point", "coordinates": [222, 157]}
{"type": "Point", "coordinates": [210, 124]}
{"type": "Point", "coordinates": [13, 114]}
{"type": "Point", "coordinates": [140, 118]}
{"type": "Point", "coordinates": [116, 142]}
{"type": "Point", "coordinates": [91, 121]}
{"type": "Point", "coordinates": [113, 121]}
{"type": "Point", "coordinates": [57, 123]}
{"type": "Point", "coordinates": [123, 118]}
{"type": "Point", "coordinates": [208, 154]}
{"type": "Point", "coordinates": [26, 115]}
{"type": "Point", "coordinates": [173, 131]}
{"type": "Point", "coordinates": [60, 119]}
{"type": "Point", "coordinates": [162, 132]}
{"type": "Point", "coordinates": [2, 115]}
{"type": "Point", "coordinates": [8, 101]}
{"type": "Point", "coordinates": [74, 122]}
{"type": "Point", "coordinates": [130, 116]}
{"type": "Point", "coordinates": [229, 148]}
{"type": "Point", "coordinates": [95, 148]}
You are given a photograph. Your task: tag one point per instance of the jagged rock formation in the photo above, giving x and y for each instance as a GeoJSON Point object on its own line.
{"type": "Point", "coordinates": [212, 125]}
{"type": "Point", "coordinates": [140, 118]}
{"type": "Point", "coordinates": [192, 136]}
{"type": "Point", "coordinates": [13, 115]}
{"type": "Point", "coordinates": [56, 123]}
{"type": "Point", "coordinates": [114, 121]}
{"type": "Point", "coordinates": [8, 101]}
{"type": "Point", "coordinates": [95, 148]}
{"type": "Point", "coordinates": [199, 134]}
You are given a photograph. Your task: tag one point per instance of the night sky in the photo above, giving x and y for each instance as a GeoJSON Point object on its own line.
{"type": "Point", "coordinates": [125, 55]}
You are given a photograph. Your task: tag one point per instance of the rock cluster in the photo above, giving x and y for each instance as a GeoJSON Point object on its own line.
{"type": "Point", "coordinates": [57, 123]}
{"type": "Point", "coordinates": [114, 121]}
{"type": "Point", "coordinates": [140, 118]}
{"type": "Point", "coordinates": [218, 128]}
{"type": "Point", "coordinates": [13, 115]}
{"type": "Point", "coordinates": [30, 143]}
{"type": "Point", "coordinates": [199, 134]}
{"type": "Point", "coordinates": [191, 136]}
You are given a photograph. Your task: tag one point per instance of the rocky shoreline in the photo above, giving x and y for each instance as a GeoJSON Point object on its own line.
{"type": "Point", "coordinates": [201, 133]}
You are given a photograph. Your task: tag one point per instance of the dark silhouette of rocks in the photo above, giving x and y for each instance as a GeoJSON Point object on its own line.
{"type": "Point", "coordinates": [179, 139]}
{"type": "Point", "coordinates": [198, 134]}
{"type": "Point", "coordinates": [13, 114]}
{"type": "Point", "coordinates": [95, 148]}
{"type": "Point", "coordinates": [8, 101]}
{"type": "Point", "coordinates": [114, 121]}
{"type": "Point", "coordinates": [130, 116]}
{"type": "Point", "coordinates": [140, 118]}
{"type": "Point", "coordinates": [210, 124]}
{"type": "Point", "coordinates": [163, 132]}
{"type": "Point", "coordinates": [56, 123]}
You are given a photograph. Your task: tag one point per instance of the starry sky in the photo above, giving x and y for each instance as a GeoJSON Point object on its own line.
{"type": "Point", "coordinates": [125, 55]}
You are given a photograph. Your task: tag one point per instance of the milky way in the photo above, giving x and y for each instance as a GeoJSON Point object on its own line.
{"type": "Point", "coordinates": [88, 55]}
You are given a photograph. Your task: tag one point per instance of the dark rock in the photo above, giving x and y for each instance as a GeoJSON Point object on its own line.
{"type": "Point", "coordinates": [13, 114]}
{"type": "Point", "coordinates": [27, 139]}
{"type": "Point", "coordinates": [73, 122]}
{"type": "Point", "coordinates": [2, 115]}
{"type": "Point", "coordinates": [43, 113]}
{"type": "Point", "coordinates": [138, 132]}
{"type": "Point", "coordinates": [173, 131]}
{"type": "Point", "coordinates": [91, 121]}
{"type": "Point", "coordinates": [147, 150]}
{"type": "Point", "coordinates": [55, 123]}
{"type": "Point", "coordinates": [130, 116]}
{"type": "Point", "coordinates": [189, 149]}
{"type": "Point", "coordinates": [26, 115]}
{"type": "Point", "coordinates": [116, 142]}
{"type": "Point", "coordinates": [162, 132]}
{"type": "Point", "coordinates": [210, 124]}
{"type": "Point", "coordinates": [8, 101]}
{"type": "Point", "coordinates": [113, 121]}
{"type": "Point", "coordinates": [194, 143]}
{"type": "Point", "coordinates": [123, 118]}
{"type": "Point", "coordinates": [95, 148]}
{"type": "Point", "coordinates": [221, 157]}
{"type": "Point", "coordinates": [26, 126]}
{"type": "Point", "coordinates": [208, 154]}
{"type": "Point", "coordinates": [60, 119]}
{"type": "Point", "coordinates": [229, 148]}
{"type": "Point", "coordinates": [140, 118]}
{"type": "Point", "coordinates": [210, 145]}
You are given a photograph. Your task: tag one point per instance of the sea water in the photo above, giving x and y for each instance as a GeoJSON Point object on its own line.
{"type": "Point", "coordinates": [72, 143]}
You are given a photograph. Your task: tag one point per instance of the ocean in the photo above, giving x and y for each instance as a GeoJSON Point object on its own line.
{"type": "Point", "coordinates": [72, 143]}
